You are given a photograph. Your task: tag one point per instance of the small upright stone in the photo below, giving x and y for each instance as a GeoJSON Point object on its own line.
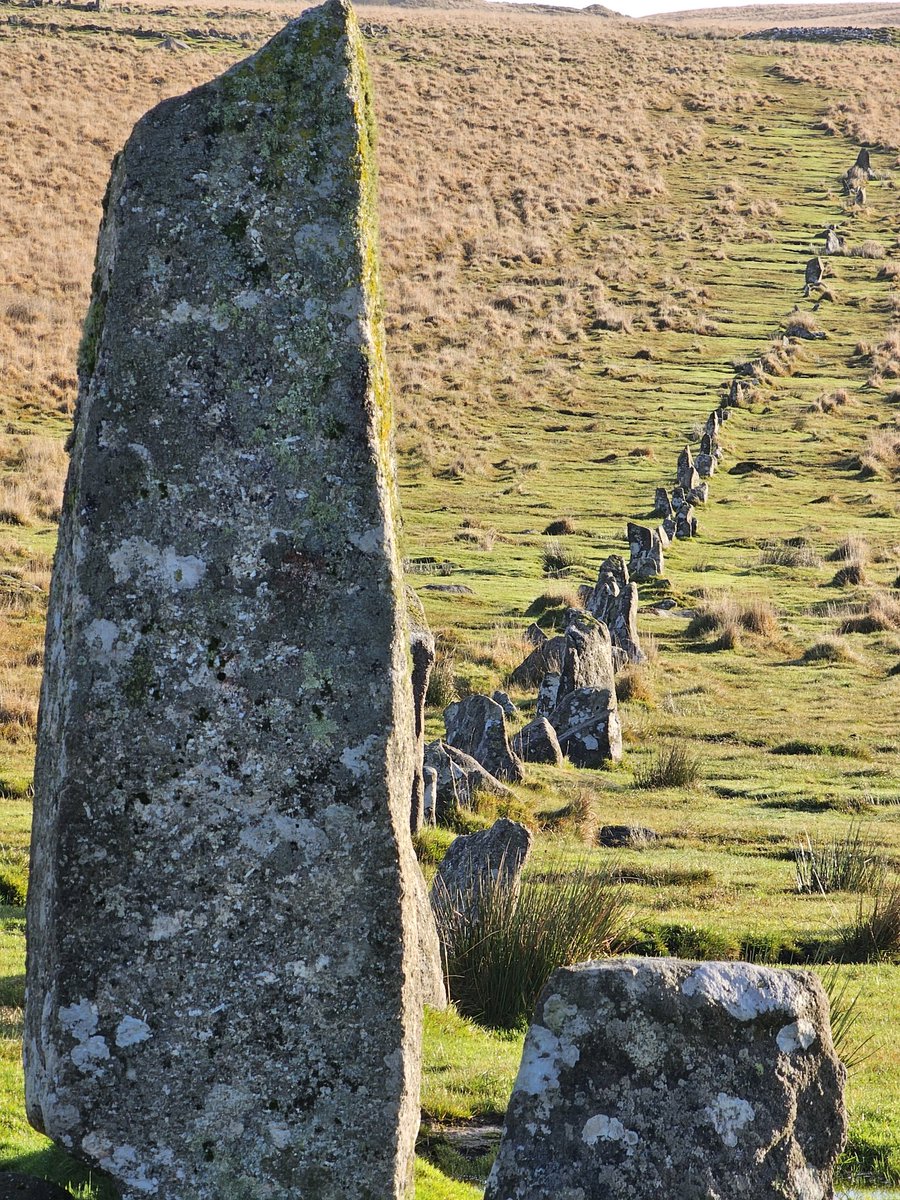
{"type": "Point", "coordinates": [646, 552]}
{"type": "Point", "coordinates": [651, 1078]}
{"type": "Point", "coordinates": [662, 505]}
{"type": "Point", "coordinates": [422, 651]}
{"type": "Point", "coordinates": [477, 726]}
{"type": "Point", "coordinates": [688, 479]}
{"type": "Point", "coordinates": [546, 657]}
{"type": "Point", "coordinates": [614, 602]}
{"type": "Point", "coordinates": [588, 727]}
{"type": "Point", "coordinates": [548, 694]}
{"type": "Point", "coordinates": [223, 970]}
{"type": "Point", "coordinates": [588, 661]}
{"type": "Point", "coordinates": [474, 860]}
{"type": "Point", "coordinates": [537, 742]}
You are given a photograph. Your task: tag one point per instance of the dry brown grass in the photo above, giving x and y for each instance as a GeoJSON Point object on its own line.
{"type": "Point", "coordinates": [880, 613]}
{"type": "Point", "coordinates": [881, 456]}
{"type": "Point", "coordinates": [728, 616]}
{"type": "Point", "coordinates": [33, 472]}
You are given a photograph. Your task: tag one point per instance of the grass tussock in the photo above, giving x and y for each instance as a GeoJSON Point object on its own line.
{"type": "Point", "coordinates": [875, 934]}
{"type": "Point", "coordinates": [793, 553]}
{"type": "Point", "coordinates": [501, 943]}
{"type": "Point", "coordinates": [831, 650]}
{"type": "Point", "coordinates": [848, 864]}
{"type": "Point", "coordinates": [880, 613]}
{"type": "Point", "coordinates": [881, 456]}
{"type": "Point", "coordinates": [674, 766]}
{"type": "Point", "coordinates": [557, 560]}
{"type": "Point", "coordinates": [634, 685]}
{"type": "Point", "coordinates": [728, 615]}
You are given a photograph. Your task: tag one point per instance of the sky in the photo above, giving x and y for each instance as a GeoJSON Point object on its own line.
{"type": "Point", "coordinates": [643, 8]}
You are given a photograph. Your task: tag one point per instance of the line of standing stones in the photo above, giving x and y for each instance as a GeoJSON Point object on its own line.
{"type": "Point", "coordinates": [227, 927]}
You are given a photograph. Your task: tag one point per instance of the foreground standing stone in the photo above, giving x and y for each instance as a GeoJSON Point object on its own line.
{"type": "Point", "coordinates": [223, 970]}
{"type": "Point", "coordinates": [649, 1078]}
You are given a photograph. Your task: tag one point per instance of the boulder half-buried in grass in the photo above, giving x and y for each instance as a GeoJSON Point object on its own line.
{"type": "Point", "coordinates": [649, 1078]}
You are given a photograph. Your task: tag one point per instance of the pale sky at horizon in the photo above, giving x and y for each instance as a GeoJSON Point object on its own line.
{"type": "Point", "coordinates": [646, 8]}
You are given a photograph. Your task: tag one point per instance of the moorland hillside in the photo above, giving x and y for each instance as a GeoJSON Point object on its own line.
{"type": "Point", "coordinates": [590, 228]}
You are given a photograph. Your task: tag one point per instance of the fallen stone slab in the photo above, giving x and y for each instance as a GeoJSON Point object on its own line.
{"type": "Point", "coordinates": [477, 726]}
{"type": "Point", "coordinates": [537, 742]}
{"type": "Point", "coordinates": [223, 993]}
{"type": "Point", "coordinates": [650, 1078]}
{"type": "Point", "coordinates": [633, 837]}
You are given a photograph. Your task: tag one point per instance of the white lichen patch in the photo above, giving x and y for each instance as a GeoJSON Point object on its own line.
{"type": "Point", "coordinates": [608, 1129]}
{"type": "Point", "coordinates": [798, 1036]}
{"type": "Point", "coordinates": [80, 1020]}
{"type": "Point", "coordinates": [89, 1054]}
{"type": "Point", "coordinates": [742, 990]}
{"type": "Point", "coordinates": [729, 1115]}
{"type": "Point", "coordinates": [542, 1058]}
{"type": "Point", "coordinates": [136, 557]}
{"type": "Point", "coordinates": [356, 758]}
{"type": "Point", "coordinates": [131, 1031]}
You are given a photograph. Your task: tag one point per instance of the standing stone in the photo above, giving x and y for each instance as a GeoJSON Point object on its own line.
{"type": "Point", "coordinates": [431, 967]}
{"type": "Point", "coordinates": [477, 726]}
{"type": "Point", "coordinates": [588, 727]}
{"type": "Point", "coordinates": [534, 635]}
{"type": "Point", "coordinates": [711, 429]}
{"type": "Point", "coordinates": [686, 522]}
{"type": "Point", "coordinates": [706, 466]}
{"type": "Point", "coordinates": [430, 798]}
{"type": "Point", "coordinates": [646, 552]}
{"type": "Point", "coordinates": [422, 651]}
{"type": "Point", "coordinates": [537, 742]}
{"type": "Point", "coordinates": [548, 695]}
{"type": "Point", "coordinates": [662, 505]}
{"type": "Point", "coordinates": [833, 242]}
{"type": "Point", "coordinates": [475, 860]}
{"type": "Point", "coordinates": [588, 661]}
{"type": "Point", "coordinates": [614, 602]}
{"type": "Point", "coordinates": [813, 275]}
{"type": "Point", "coordinates": [688, 479]}
{"type": "Point", "coordinates": [223, 984]}
{"type": "Point", "coordinates": [502, 698]}
{"type": "Point", "coordinates": [545, 657]}
{"type": "Point", "coordinates": [650, 1078]}
{"type": "Point", "coordinates": [458, 777]}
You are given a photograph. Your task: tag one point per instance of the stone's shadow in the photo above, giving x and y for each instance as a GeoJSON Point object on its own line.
{"type": "Point", "coordinates": [12, 991]}
{"type": "Point", "coordinates": [56, 1167]}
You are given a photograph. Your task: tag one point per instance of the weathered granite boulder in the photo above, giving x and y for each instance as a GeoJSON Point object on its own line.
{"type": "Point", "coordinates": [430, 798]}
{"type": "Point", "coordinates": [686, 524]}
{"type": "Point", "coordinates": [646, 559]}
{"type": "Point", "coordinates": [614, 602]}
{"type": "Point", "coordinates": [813, 275]}
{"type": "Point", "coordinates": [711, 429]}
{"type": "Point", "coordinates": [634, 837]}
{"type": "Point", "coordinates": [834, 243]}
{"type": "Point", "coordinates": [688, 478]}
{"type": "Point", "coordinates": [502, 698]}
{"type": "Point", "coordinates": [548, 694]}
{"type": "Point", "coordinates": [650, 1078]}
{"type": "Point", "coordinates": [662, 505]}
{"type": "Point", "coordinates": [422, 651]}
{"type": "Point", "coordinates": [498, 853]}
{"type": "Point", "coordinates": [544, 658]}
{"type": "Point", "coordinates": [706, 466]}
{"type": "Point", "coordinates": [588, 661]}
{"type": "Point", "coordinates": [537, 742]}
{"type": "Point", "coordinates": [26, 1187]}
{"type": "Point", "coordinates": [588, 727]}
{"type": "Point", "coordinates": [477, 726]}
{"type": "Point", "coordinates": [457, 779]}
{"type": "Point", "coordinates": [700, 494]}
{"type": "Point", "coordinates": [534, 635]}
{"type": "Point", "coordinates": [223, 983]}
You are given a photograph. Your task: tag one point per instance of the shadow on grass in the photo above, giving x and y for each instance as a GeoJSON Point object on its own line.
{"type": "Point", "coordinates": [12, 991]}
{"type": "Point", "coordinates": [52, 1164]}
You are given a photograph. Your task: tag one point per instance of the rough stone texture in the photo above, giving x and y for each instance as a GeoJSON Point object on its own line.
{"type": "Point", "coordinates": [687, 474]}
{"type": "Point", "coordinates": [223, 984]}
{"type": "Point", "coordinates": [646, 552]}
{"type": "Point", "coordinates": [548, 694]}
{"type": "Point", "coordinates": [546, 657]}
{"type": "Point", "coordinates": [650, 1078]}
{"type": "Point", "coordinates": [537, 742]}
{"type": "Point", "coordinates": [431, 968]}
{"type": "Point", "coordinates": [634, 837]}
{"type": "Point", "coordinates": [430, 798]}
{"type": "Point", "coordinates": [813, 275]}
{"type": "Point", "coordinates": [458, 777]}
{"type": "Point", "coordinates": [534, 635]}
{"type": "Point", "coordinates": [614, 602]}
{"type": "Point", "coordinates": [496, 853]}
{"type": "Point", "coordinates": [706, 466]}
{"type": "Point", "coordinates": [711, 429]}
{"type": "Point", "coordinates": [477, 726]}
{"type": "Point", "coordinates": [501, 698]}
{"type": "Point", "coordinates": [422, 650]}
{"type": "Point", "coordinates": [588, 661]}
{"type": "Point", "coordinates": [662, 505]}
{"type": "Point", "coordinates": [26, 1187]}
{"type": "Point", "coordinates": [588, 726]}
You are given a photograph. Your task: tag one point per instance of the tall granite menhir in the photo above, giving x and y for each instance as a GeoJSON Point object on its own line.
{"type": "Point", "coordinates": [223, 996]}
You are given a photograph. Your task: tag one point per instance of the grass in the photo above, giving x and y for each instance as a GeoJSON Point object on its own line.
{"type": "Point", "coordinates": [675, 766]}
{"type": "Point", "coordinates": [848, 864]}
{"type": "Point", "coordinates": [502, 943]}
